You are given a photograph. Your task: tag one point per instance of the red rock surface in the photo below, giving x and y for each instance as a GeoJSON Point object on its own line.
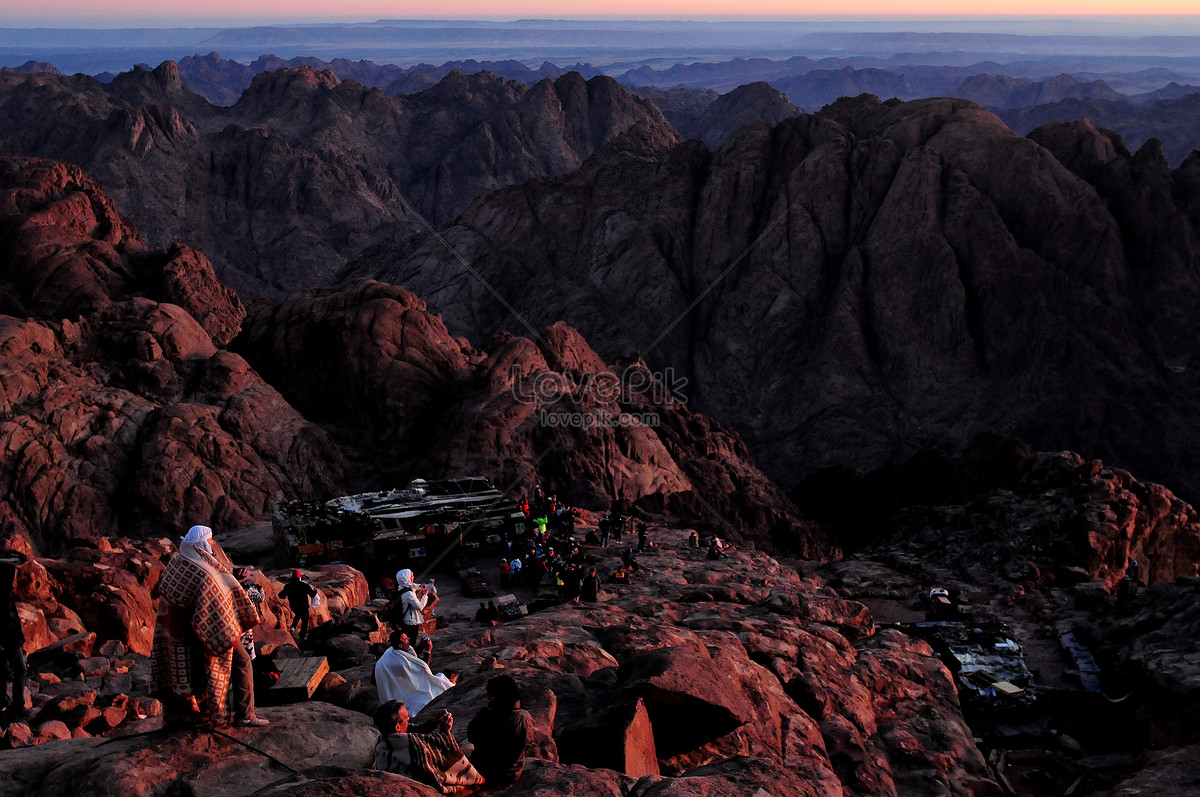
{"type": "Point", "coordinates": [524, 411]}
{"type": "Point", "coordinates": [120, 413]}
{"type": "Point", "coordinates": [747, 689]}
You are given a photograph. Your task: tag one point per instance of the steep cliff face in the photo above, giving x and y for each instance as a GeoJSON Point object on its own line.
{"type": "Point", "coordinates": [881, 278]}
{"type": "Point", "coordinates": [306, 170]}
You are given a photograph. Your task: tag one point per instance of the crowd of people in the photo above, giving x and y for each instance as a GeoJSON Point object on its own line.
{"type": "Point", "coordinates": [546, 551]}
{"type": "Point", "coordinates": [208, 609]}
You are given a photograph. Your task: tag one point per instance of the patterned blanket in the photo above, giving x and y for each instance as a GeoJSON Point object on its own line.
{"type": "Point", "coordinates": [438, 761]}
{"type": "Point", "coordinates": [201, 616]}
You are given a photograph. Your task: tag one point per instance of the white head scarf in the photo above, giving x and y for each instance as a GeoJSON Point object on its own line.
{"type": "Point", "coordinates": [404, 578]}
{"type": "Point", "coordinates": [199, 536]}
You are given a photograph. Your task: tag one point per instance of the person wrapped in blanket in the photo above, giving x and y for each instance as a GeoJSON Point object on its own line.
{"type": "Point", "coordinates": [197, 657]}
{"type": "Point", "coordinates": [428, 754]}
{"type": "Point", "coordinates": [400, 674]}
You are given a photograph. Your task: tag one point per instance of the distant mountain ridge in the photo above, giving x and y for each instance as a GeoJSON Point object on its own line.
{"type": "Point", "coordinates": [222, 81]}
{"type": "Point", "coordinates": [305, 169]}
{"type": "Point", "coordinates": [1023, 101]}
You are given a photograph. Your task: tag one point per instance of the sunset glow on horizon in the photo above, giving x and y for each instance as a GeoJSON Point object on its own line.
{"type": "Point", "coordinates": [65, 13]}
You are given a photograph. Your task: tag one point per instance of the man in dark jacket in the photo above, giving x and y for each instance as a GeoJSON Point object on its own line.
{"type": "Point", "coordinates": [298, 594]}
{"type": "Point", "coordinates": [500, 733]}
{"type": "Point", "coordinates": [12, 639]}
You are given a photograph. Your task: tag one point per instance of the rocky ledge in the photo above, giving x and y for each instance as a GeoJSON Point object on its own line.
{"type": "Point", "coordinates": [697, 677]}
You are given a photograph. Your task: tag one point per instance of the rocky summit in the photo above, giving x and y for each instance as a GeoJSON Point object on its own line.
{"type": "Point", "coordinates": [696, 677]}
{"type": "Point", "coordinates": [688, 676]}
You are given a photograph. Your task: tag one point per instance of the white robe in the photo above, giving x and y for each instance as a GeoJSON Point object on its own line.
{"type": "Point", "coordinates": [402, 676]}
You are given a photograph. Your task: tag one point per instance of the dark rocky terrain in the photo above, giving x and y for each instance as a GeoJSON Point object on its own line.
{"type": "Point", "coordinates": [1017, 92]}
{"type": "Point", "coordinates": [305, 170]}
{"type": "Point", "coordinates": [1173, 120]}
{"type": "Point", "coordinates": [721, 119]}
{"type": "Point", "coordinates": [860, 293]}
{"type": "Point", "coordinates": [874, 280]}
{"type": "Point", "coordinates": [120, 377]}
{"type": "Point", "coordinates": [1039, 541]}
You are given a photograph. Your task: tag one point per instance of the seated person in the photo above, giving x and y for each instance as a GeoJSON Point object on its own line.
{"type": "Point", "coordinates": [500, 733]}
{"type": "Point", "coordinates": [627, 560]}
{"type": "Point", "coordinates": [401, 675]}
{"type": "Point", "coordinates": [428, 753]}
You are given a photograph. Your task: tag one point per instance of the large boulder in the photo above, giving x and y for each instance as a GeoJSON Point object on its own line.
{"type": "Point", "coordinates": [299, 737]}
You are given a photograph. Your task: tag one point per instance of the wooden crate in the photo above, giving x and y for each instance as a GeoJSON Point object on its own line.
{"type": "Point", "coordinates": [298, 679]}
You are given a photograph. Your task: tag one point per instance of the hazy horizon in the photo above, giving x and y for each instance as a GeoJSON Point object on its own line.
{"type": "Point", "coordinates": [1173, 19]}
{"type": "Point", "coordinates": [1096, 43]}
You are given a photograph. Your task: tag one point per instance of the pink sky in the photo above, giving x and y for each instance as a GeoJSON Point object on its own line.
{"type": "Point", "coordinates": [61, 13]}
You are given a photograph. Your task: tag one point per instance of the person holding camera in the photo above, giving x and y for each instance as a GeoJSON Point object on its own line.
{"type": "Point", "coordinates": [408, 608]}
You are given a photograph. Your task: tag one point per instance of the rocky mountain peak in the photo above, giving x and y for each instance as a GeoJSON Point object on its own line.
{"type": "Point", "coordinates": [159, 86]}
{"type": "Point", "coordinates": [286, 86]}
{"type": "Point", "coordinates": [476, 95]}
{"type": "Point", "coordinates": [753, 102]}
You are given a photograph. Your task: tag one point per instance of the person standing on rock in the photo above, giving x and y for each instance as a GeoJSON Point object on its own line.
{"type": "Point", "coordinates": [408, 609]}
{"type": "Point", "coordinates": [299, 594]}
{"type": "Point", "coordinates": [203, 612]}
{"type": "Point", "coordinates": [500, 733]}
{"type": "Point", "coordinates": [12, 640]}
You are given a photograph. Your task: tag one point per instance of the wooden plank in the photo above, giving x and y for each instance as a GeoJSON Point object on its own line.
{"type": "Point", "coordinates": [298, 679]}
{"type": "Point", "coordinates": [1010, 689]}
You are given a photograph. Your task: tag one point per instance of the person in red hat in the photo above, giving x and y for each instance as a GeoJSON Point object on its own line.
{"type": "Point", "coordinates": [299, 594]}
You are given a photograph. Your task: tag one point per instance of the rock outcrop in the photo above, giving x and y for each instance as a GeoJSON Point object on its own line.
{"type": "Point", "coordinates": [121, 413]}
{"type": "Point", "coordinates": [1035, 520]}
